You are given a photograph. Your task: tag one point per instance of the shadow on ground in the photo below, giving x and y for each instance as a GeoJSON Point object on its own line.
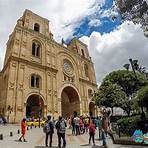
{"type": "Point", "coordinates": [19, 141]}
{"type": "Point", "coordinates": [45, 147]}
{"type": "Point", "coordinates": [96, 146]}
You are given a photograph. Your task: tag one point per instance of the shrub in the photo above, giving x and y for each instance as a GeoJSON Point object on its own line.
{"type": "Point", "coordinates": [129, 124]}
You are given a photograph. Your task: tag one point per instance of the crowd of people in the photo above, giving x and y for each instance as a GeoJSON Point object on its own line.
{"type": "Point", "coordinates": [81, 125]}
{"type": "Point", "coordinates": [78, 125]}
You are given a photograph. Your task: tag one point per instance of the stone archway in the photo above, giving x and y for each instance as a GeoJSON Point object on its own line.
{"type": "Point", "coordinates": [91, 108]}
{"type": "Point", "coordinates": [70, 102]}
{"type": "Point", "coordinates": [34, 106]}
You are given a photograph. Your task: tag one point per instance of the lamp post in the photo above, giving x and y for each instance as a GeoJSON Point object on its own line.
{"type": "Point", "coordinates": [135, 67]}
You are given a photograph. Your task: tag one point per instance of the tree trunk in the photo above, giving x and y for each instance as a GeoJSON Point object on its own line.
{"type": "Point", "coordinates": [112, 111]}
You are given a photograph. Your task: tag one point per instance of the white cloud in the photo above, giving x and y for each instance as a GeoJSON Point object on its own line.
{"type": "Point", "coordinates": [64, 16]}
{"type": "Point", "coordinates": [112, 50]}
{"type": "Point", "coordinates": [94, 22]}
{"type": "Point", "coordinates": [110, 13]}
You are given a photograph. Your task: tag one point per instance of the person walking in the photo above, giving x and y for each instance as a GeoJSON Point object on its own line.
{"type": "Point", "coordinates": [23, 130]}
{"type": "Point", "coordinates": [92, 129]}
{"type": "Point", "coordinates": [73, 126]}
{"type": "Point", "coordinates": [98, 126]}
{"type": "Point", "coordinates": [49, 131]}
{"type": "Point", "coordinates": [61, 129]}
{"type": "Point", "coordinates": [104, 128]}
{"type": "Point", "coordinates": [77, 125]}
{"type": "Point", "coordinates": [86, 123]}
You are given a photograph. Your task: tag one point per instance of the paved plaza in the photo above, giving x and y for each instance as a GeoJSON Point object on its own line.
{"type": "Point", "coordinates": [35, 139]}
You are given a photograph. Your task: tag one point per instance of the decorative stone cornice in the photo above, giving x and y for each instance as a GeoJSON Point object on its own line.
{"type": "Point", "coordinates": [44, 67]}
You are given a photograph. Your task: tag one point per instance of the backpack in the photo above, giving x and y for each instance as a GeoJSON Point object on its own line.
{"type": "Point", "coordinates": [61, 126]}
{"type": "Point", "coordinates": [92, 129]}
{"type": "Point", "coordinates": [46, 128]}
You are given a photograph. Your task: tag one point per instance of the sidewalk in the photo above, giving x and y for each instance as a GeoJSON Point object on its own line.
{"type": "Point", "coordinates": [35, 139]}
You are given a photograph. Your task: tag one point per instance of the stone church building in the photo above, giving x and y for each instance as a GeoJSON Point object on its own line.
{"type": "Point", "coordinates": [41, 76]}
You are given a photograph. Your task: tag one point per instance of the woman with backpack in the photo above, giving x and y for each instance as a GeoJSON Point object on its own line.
{"type": "Point", "coordinates": [48, 130]}
{"type": "Point", "coordinates": [92, 129]}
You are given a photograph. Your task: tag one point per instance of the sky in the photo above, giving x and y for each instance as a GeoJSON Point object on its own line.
{"type": "Point", "coordinates": [111, 42]}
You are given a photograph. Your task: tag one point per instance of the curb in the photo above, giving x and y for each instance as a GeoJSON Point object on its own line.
{"type": "Point", "coordinates": [128, 142]}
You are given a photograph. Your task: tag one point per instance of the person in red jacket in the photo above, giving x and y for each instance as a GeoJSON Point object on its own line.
{"type": "Point", "coordinates": [23, 130]}
{"type": "Point", "coordinates": [92, 129]}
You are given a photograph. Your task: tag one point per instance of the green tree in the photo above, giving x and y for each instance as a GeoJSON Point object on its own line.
{"type": "Point", "coordinates": [134, 10]}
{"type": "Point", "coordinates": [110, 95]}
{"type": "Point", "coordinates": [118, 88]}
{"type": "Point", "coordinates": [142, 97]}
{"type": "Point", "coordinates": [127, 80]}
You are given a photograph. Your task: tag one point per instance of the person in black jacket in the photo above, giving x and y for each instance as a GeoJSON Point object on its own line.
{"type": "Point", "coordinates": [50, 131]}
{"type": "Point", "coordinates": [61, 129]}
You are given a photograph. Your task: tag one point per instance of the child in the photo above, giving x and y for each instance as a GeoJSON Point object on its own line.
{"type": "Point", "coordinates": [23, 129]}
{"type": "Point", "coordinates": [92, 129]}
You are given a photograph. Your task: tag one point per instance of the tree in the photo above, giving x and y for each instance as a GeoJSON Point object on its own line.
{"type": "Point", "coordinates": [127, 80]}
{"type": "Point", "coordinates": [112, 95]}
{"type": "Point", "coordinates": [118, 88]}
{"type": "Point", "coordinates": [134, 10]}
{"type": "Point", "coordinates": [142, 97]}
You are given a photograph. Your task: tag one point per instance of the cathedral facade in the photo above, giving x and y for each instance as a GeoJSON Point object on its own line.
{"type": "Point", "coordinates": [41, 76]}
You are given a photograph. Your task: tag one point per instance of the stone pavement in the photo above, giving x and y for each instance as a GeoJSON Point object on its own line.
{"type": "Point", "coordinates": [35, 139]}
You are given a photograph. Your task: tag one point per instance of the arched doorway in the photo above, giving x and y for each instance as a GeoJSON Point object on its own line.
{"type": "Point", "coordinates": [35, 106]}
{"type": "Point", "coordinates": [91, 108]}
{"type": "Point", "coordinates": [70, 102]}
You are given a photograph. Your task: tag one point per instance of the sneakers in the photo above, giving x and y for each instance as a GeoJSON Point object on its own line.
{"type": "Point", "coordinates": [20, 140]}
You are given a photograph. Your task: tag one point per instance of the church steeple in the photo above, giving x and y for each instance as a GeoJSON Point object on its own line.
{"type": "Point", "coordinates": [29, 24]}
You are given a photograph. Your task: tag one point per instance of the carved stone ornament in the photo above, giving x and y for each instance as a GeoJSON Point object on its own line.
{"type": "Point", "coordinates": [20, 86]}
{"type": "Point", "coordinates": [11, 84]}
{"type": "Point", "coordinates": [22, 66]}
{"type": "Point", "coordinates": [17, 41]}
{"type": "Point", "coordinates": [24, 43]}
{"type": "Point", "coordinates": [14, 64]}
{"type": "Point", "coordinates": [49, 92]}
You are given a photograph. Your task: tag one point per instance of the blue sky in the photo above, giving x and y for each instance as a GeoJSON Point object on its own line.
{"type": "Point", "coordinates": [107, 24]}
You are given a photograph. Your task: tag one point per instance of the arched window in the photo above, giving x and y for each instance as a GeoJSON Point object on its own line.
{"type": "Point", "coordinates": [90, 93]}
{"type": "Point", "coordinates": [36, 49]}
{"type": "Point", "coordinates": [35, 81]}
{"type": "Point", "coordinates": [82, 52]}
{"type": "Point", "coordinates": [37, 27]}
{"type": "Point", "coordinates": [33, 49]}
{"type": "Point", "coordinates": [86, 70]}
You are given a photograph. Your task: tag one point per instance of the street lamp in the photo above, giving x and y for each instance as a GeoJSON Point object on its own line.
{"type": "Point", "coordinates": [135, 67]}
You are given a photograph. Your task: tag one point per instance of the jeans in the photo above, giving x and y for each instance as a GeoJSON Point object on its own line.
{"type": "Point", "coordinates": [99, 131]}
{"type": "Point", "coordinates": [77, 130]}
{"type": "Point", "coordinates": [61, 135]}
{"type": "Point", "coordinates": [104, 138]}
{"type": "Point", "coordinates": [73, 129]}
{"type": "Point", "coordinates": [46, 140]}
